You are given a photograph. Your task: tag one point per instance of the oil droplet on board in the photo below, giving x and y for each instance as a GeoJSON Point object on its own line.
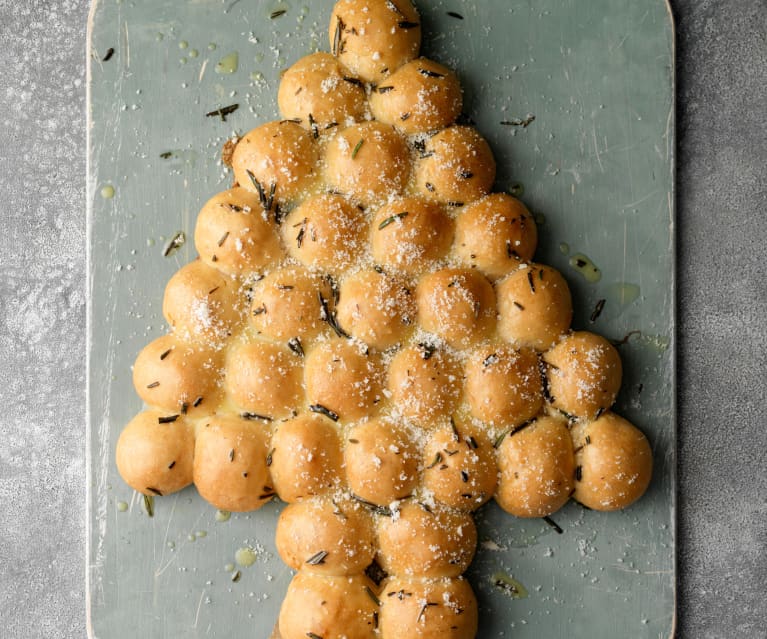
{"type": "Point", "coordinates": [107, 192]}
{"type": "Point", "coordinates": [183, 44]}
{"type": "Point", "coordinates": [212, 46]}
{"type": "Point", "coordinates": [623, 293]}
{"type": "Point", "coordinates": [586, 267]}
{"type": "Point", "coordinates": [564, 248]}
{"type": "Point", "coordinates": [223, 515]}
{"type": "Point", "coordinates": [193, 53]}
{"type": "Point", "coordinates": [228, 64]}
{"type": "Point", "coordinates": [229, 567]}
{"type": "Point", "coordinates": [245, 556]}
{"type": "Point", "coordinates": [122, 506]}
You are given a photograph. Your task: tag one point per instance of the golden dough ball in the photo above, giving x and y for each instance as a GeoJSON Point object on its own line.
{"type": "Point", "coordinates": [408, 234]}
{"type": "Point", "coordinates": [306, 457]}
{"type": "Point", "coordinates": [154, 453]}
{"type": "Point", "coordinates": [495, 234]}
{"type": "Point", "coordinates": [178, 377]}
{"type": "Point", "coordinates": [381, 462]}
{"type": "Point", "coordinates": [317, 91]}
{"type": "Point", "coordinates": [280, 158]}
{"type": "Point", "coordinates": [368, 161]}
{"type": "Point", "coordinates": [375, 308]}
{"type": "Point", "coordinates": [460, 468]}
{"type": "Point", "coordinates": [420, 96]}
{"type": "Point", "coordinates": [428, 608]}
{"type": "Point", "coordinates": [426, 540]}
{"type": "Point", "coordinates": [201, 304]}
{"type": "Point", "coordinates": [234, 234]}
{"type": "Point", "coordinates": [503, 385]}
{"type": "Point", "coordinates": [230, 463]}
{"type": "Point", "coordinates": [373, 38]}
{"type": "Point", "coordinates": [584, 373]}
{"type": "Point", "coordinates": [457, 167]}
{"type": "Point", "coordinates": [328, 606]}
{"type": "Point", "coordinates": [613, 463]}
{"type": "Point", "coordinates": [333, 536]}
{"type": "Point", "coordinates": [264, 379]}
{"type": "Point", "coordinates": [286, 304]}
{"type": "Point", "coordinates": [325, 232]}
{"type": "Point", "coordinates": [534, 306]}
{"type": "Point", "coordinates": [458, 305]}
{"type": "Point", "coordinates": [345, 377]}
{"type": "Point", "coordinates": [536, 468]}
{"type": "Point", "coordinates": [425, 383]}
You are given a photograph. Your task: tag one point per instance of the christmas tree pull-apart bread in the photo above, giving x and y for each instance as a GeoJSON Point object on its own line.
{"type": "Point", "coordinates": [366, 336]}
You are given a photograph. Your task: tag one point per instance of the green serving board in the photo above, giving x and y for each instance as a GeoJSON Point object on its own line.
{"type": "Point", "coordinates": [596, 166]}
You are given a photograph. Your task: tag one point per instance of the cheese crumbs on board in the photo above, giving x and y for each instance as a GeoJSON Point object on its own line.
{"type": "Point", "coordinates": [366, 336]}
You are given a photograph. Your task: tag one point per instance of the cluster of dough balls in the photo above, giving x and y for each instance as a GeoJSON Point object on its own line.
{"type": "Point", "coordinates": [367, 336]}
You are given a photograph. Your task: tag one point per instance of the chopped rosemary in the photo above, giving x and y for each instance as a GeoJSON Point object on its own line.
{"type": "Point", "coordinates": [427, 350]}
{"type": "Point", "coordinates": [453, 14]}
{"type": "Point", "coordinates": [424, 607]}
{"type": "Point", "coordinates": [197, 401]}
{"type": "Point", "coordinates": [509, 585]}
{"type": "Point", "coordinates": [319, 408]}
{"type": "Point", "coordinates": [255, 416]}
{"type": "Point", "coordinates": [154, 490]}
{"type": "Point", "coordinates": [466, 175]}
{"type": "Point", "coordinates": [312, 635]}
{"type": "Point", "coordinates": [261, 309]}
{"type": "Point", "coordinates": [269, 457]}
{"type": "Point", "coordinates": [597, 310]}
{"type": "Point", "coordinates": [149, 505]}
{"type": "Point", "coordinates": [171, 465]}
{"type": "Point", "coordinates": [357, 148]}
{"type": "Point", "coordinates": [404, 116]}
{"type": "Point", "coordinates": [166, 155]}
{"type": "Point", "coordinates": [259, 188]}
{"type": "Point", "coordinates": [372, 595]}
{"type": "Point", "coordinates": [167, 420]}
{"type": "Point", "coordinates": [301, 232]}
{"type": "Point", "coordinates": [523, 122]}
{"type": "Point", "coordinates": [385, 89]}
{"type": "Point", "coordinates": [429, 187]}
{"type": "Point", "coordinates": [108, 55]}
{"type": "Point", "coordinates": [437, 460]}
{"type": "Point", "coordinates": [326, 315]}
{"type": "Point", "coordinates": [578, 473]}
{"type": "Point", "coordinates": [337, 44]}
{"type": "Point", "coordinates": [350, 80]}
{"type": "Point", "coordinates": [431, 74]}
{"type": "Point", "coordinates": [294, 344]}
{"type": "Point", "coordinates": [313, 126]}
{"type": "Point", "coordinates": [223, 238]}
{"type": "Point", "coordinates": [278, 13]}
{"type": "Point", "coordinates": [553, 524]}
{"type": "Point", "coordinates": [317, 558]}
{"type": "Point", "coordinates": [153, 385]}
{"type": "Point", "coordinates": [472, 443]}
{"type": "Point", "coordinates": [393, 7]}
{"type": "Point", "coordinates": [464, 476]}
{"type": "Point", "coordinates": [174, 243]}
{"type": "Point", "coordinates": [222, 112]}
{"type": "Point", "coordinates": [530, 281]}
{"type": "Point", "coordinates": [231, 455]}
{"type": "Point", "coordinates": [456, 436]}
{"type": "Point", "coordinates": [519, 306]}
{"type": "Point", "coordinates": [392, 219]}
{"type": "Point", "coordinates": [379, 510]}
{"type": "Point", "coordinates": [406, 24]}
{"type": "Point", "coordinates": [490, 360]}
{"type": "Point", "coordinates": [236, 576]}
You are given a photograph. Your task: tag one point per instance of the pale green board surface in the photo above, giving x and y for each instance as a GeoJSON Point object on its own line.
{"type": "Point", "coordinates": [597, 162]}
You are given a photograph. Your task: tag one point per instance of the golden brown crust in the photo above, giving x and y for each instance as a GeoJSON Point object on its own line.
{"type": "Point", "coordinates": [230, 469]}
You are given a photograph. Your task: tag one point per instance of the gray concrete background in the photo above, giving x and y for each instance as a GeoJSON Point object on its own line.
{"type": "Point", "coordinates": [722, 329]}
